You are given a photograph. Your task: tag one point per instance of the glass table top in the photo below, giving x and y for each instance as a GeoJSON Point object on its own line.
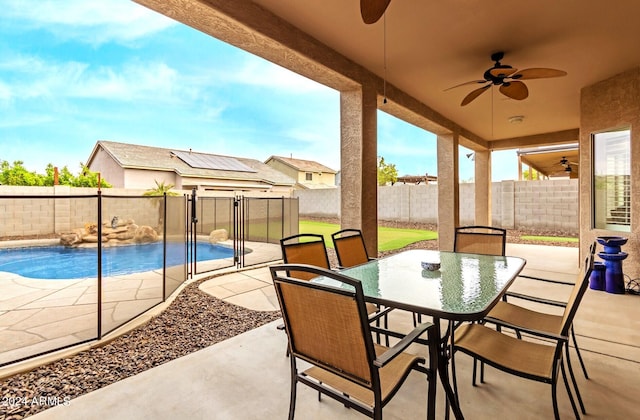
{"type": "Point", "coordinates": [464, 288]}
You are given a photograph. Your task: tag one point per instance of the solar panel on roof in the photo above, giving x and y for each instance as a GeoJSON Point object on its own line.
{"type": "Point", "coordinates": [205, 161]}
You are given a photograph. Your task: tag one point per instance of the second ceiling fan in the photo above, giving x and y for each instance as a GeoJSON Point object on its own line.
{"type": "Point", "coordinates": [508, 78]}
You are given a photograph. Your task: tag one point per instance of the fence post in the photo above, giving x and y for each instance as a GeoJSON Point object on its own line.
{"type": "Point", "coordinates": [99, 264]}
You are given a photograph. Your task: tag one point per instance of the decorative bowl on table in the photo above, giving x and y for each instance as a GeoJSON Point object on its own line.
{"type": "Point", "coordinates": [430, 265]}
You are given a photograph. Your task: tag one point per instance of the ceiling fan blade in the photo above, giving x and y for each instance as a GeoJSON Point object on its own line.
{"type": "Point", "coordinates": [372, 10]}
{"type": "Point", "coordinates": [515, 90]}
{"type": "Point", "coordinates": [474, 94]}
{"type": "Point", "coordinates": [473, 82]}
{"type": "Point", "coordinates": [502, 71]}
{"type": "Point", "coordinates": [538, 73]}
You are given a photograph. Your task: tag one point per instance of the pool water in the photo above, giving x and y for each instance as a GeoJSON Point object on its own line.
{"type": "Point", "coordinates": [59, 262]}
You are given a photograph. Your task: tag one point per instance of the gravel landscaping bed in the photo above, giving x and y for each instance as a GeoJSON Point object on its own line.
{"type": "Point", "coordinates": [193, 321]}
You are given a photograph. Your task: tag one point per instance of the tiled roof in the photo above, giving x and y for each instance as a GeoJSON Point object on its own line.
{"type": "Point", "coordinates": [161, 159]}
{"type": "Point", "coordinates": [303, 165]}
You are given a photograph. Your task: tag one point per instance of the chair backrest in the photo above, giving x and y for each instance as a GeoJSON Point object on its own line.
{"type": "Point", "coordinates": [304, 248]}
{"type": "Point", "coordinates": [327, 325]}
{"type": "Point", "coordinates": [484, 240]}
{"type": "Point", "coordinates": [350, 247]}
{"type": "Point", "coordinates": [582, 281]}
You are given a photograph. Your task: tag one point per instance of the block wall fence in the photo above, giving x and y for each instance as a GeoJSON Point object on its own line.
{"type": "Point", "coordinates": [47, 217]}
{"type": "Point", "coordinates": [546, 205]}
{"type": "Point", "coordinates": [35, 216]}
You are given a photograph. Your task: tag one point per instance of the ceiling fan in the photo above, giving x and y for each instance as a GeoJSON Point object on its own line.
{"type": "Point", "coordinates": [566, 164]}
{"type": "Point", "coordinates": [508, 78]}
{"type": "Point", "coordinates": [372, 10]}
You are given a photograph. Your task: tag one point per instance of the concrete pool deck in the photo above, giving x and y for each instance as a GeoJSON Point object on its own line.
{"type": "Point", "coordinates": [41, 315]}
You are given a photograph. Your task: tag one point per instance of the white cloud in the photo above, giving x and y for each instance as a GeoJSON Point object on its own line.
{"type": "Point", "coordinates": [256, 72]}
{"type": "Point", "coordinates": [135, 80]}
{"type": "Point", "coordinates": [25, 120]}
{"type": "Point", "coordinates": [93, 22]}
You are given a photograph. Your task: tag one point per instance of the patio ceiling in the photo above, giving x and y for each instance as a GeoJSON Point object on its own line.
{"type": "Point", "coordinates": [434, 45]}
{"type": "Point", "coordinates": [550, 161]}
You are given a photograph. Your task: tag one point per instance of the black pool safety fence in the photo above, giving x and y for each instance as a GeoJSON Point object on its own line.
{"type": "Point", "coordinates": [51, 300]}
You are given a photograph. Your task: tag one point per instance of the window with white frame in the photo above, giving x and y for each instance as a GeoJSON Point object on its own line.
{"type": "Point", "coordinates": [612, 180]}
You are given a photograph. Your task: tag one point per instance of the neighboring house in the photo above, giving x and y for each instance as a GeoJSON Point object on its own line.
{"type": "Point", "coordinates": [133, 166]}
{"type": "Point", "coordinates": [308, 174]}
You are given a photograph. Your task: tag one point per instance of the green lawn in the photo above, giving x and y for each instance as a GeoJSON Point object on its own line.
{"type": "Point", "coordinates": [388, 238]}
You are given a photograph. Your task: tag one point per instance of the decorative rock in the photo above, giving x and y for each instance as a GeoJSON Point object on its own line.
{"type": "Point", "coordinates": [145, 234]}
{"type": "Point", "coordinates": [70, 239]}
{"type": "Point", "coordinates": [127, 234]}
{"type": "Point", "coordinates": [91, 228]}
{"type": "Point", "coordinates": [94, 238]}
{"type": "Point", "coordinates": [218, 235]}
{"type": "Point", "coordinates": [124, 232]}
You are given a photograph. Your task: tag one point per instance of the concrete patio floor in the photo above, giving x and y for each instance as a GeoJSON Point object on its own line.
{"type": "Point", "coordinates": [247, 377]}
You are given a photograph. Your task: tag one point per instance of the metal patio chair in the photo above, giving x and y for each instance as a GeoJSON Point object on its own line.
{"type": "Point", "coordinates": [309, 248]}
{"type": "Point", "coordinates": [328, 327]}
{"type": "Point", "coordinates": [305, 248]}
{"type": "Point", "coordinates": [350, 247]}
{"type": "Point", "coordinates": [516, 315]}
{"type": "Point", "coordinates": [486, 240]}
{"type": "Point", "coordinates": [536, 360]}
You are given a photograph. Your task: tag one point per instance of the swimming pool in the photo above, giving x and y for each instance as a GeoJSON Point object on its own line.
{"type": "Point", "coordinates": [59, 262]}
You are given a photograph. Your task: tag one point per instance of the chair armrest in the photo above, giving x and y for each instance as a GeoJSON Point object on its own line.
{"type": "Point", "coordinates": [536, 299]}
{"type": "Point", "coordinates": [535, 333]}
{"type": "Point", "coordinates": [401, 345]}
{"type": "Point", "coordinates": [568, 283]}
{"type": "Point", "coordinates": [380, 314]}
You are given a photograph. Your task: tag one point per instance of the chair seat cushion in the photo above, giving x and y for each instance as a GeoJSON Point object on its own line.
{"type": "Point", "coordinates": [526, 318]}
{"type": "Point", "coordinates": [516, 356]}
{"type": "Point", "coordinates": [391, 376]}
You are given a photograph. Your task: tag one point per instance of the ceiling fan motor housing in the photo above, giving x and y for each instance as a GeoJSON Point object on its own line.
{"type": "Point", "coordinates": [497, 77]}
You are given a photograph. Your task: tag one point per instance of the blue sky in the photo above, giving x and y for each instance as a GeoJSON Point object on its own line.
{"type": "Point", "coordinates": [74, 72]}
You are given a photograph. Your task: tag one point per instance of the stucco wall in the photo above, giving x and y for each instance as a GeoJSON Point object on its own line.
{"type": "Point", "coordinates": [111, 171]}
{"type": "Point", "coordinates": [146, 179]}
{"type": "Point", "coordinates": [301, 176]}
{"type": "Point", "coordinates": [611, 104]}
{"type": "Point", "coordinates": [285, 169]}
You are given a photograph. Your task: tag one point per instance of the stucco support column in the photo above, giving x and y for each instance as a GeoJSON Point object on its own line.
{"type": "Point", "coordinates": [448, 190]}
{"type": "Point", "coordinates": [483, 188]}
{"type": "Point", "coordinates": [358, 164]}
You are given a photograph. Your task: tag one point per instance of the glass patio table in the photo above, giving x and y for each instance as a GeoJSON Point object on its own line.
{"type": "Point", "coordinates": [465, 288]}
